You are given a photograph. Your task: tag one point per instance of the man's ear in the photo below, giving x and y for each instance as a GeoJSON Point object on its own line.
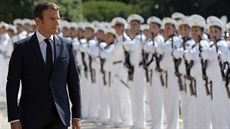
{"type": "Point", "coordinates": [37, 20]}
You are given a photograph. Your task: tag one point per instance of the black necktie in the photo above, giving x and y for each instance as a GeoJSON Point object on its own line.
{"type": "Point", "coordinates": [49, 57]}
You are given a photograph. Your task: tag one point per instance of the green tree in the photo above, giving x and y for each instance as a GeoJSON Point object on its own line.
{"type": "Point", "coordinates": [11, 9]}
{"type": "Point", "coordinates": [70, 10]}
{"type": "Point", "coordinates": [105, 10]}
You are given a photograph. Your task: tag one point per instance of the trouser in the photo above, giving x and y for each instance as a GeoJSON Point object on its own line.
{"type": "Point", "coordinates": [202, 105]}
{"type": "Point", "coordinates": [171, 100]}
{"type": "Point", "coordinates": [188, 106]}
{"type": "Point", "coordinates": [156, 100]}
{"type": "Point", "coordinates": [218, 105]}
{"type": "Point", "coordinates": [120, 103]}
{"type": "Point", "coordinates": [53, 123]}
{"type": "Point", "coordinates": [138, 97]}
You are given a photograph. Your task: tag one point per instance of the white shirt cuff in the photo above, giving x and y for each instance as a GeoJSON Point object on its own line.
{"type": "Point", "coordinates": [14, 121]}
{"type": "Point", "coordinates": [77, 119]}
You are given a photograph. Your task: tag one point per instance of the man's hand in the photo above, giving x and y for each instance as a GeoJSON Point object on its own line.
{"type": "Point", "coordinates": [17, 125]}
{"type": "Point", "coordinates": [76, 124]}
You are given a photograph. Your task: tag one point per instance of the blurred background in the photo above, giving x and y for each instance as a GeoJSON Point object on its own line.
{"type": "Point", "coordinates": [105, 10]}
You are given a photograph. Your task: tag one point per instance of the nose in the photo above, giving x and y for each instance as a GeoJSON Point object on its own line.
{"type": "Point", "coordinates": [57, 22]}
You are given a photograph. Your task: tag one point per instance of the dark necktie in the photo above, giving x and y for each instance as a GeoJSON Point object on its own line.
{"type": "Point", "coordinates": [49, 57]}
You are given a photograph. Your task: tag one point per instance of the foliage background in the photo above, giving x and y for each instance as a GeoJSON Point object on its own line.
{"type": "Point", "coordinates": [105, 10]}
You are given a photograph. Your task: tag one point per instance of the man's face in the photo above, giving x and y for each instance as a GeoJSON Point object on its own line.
{"type": "Point", "coordinates": [88, 33]}
{"type": "Point", "coordinates": [100, 35]}
{"type": "Point", "coordinates": [215, 32]}
{"type": "Point", "coordinates": [109, 38]}
{"type": "Point", "coordinates": [80, 33]}
{"type": "Point", "coordinates": [119, 28]}
{"type": "Point", "coordinates": [184, 30]}
{"type": "Point", "coordinates": [2, 30]}
{"type": "Point", "coordinates": [135, 25]}
{"type": "Point", "coordinates": [66, 31]}
{"type": "Point", "coordinates": [196, 32]}
{"type": "Point", "coordinates": [169, 30]}
{"type": "Point", "coordinates": [49, 24]}
{"type": "Point", "coordinates": [154, 28]}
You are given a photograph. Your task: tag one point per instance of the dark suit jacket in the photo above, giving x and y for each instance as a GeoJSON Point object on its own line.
{"type": "Point", "coordinates": [38, 91]}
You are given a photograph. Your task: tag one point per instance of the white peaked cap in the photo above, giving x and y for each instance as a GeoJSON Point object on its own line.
{"type": "Point", "coordinates": [89, 25]}
{"type": "Point", "coordinates": [106, 24]}
{"type": "Point", "coordinates": [26, 21]}
{"type": "Point", "coordinates": [110, 31]}
{"type": "Point", "coordinates": [18, 21]}
{"type": "Point", "coordinates": [95, 23]}
{"type": "Point", "coordinates": [178, 15]}
{"type": "Point", "coordinates": [3, 24]}
{"type": "Point", "coordinates": [13, 28]}
{"type": "Point", "coordinates": [145, 27]}
{"type": "Point", "coordinates": [73, 25]}
{"type": "Point", "coordinates": [228, 26]}
{"type": "Point", "coordinates": [168, 20]}
{"type": "Point", "coordinates": [80, 25]}
{"type": "Point", "coordinates": [100, 27]}
{"type": "Point", "coordinates": [154, 19]}
{"type": "Point", "coordinates": [215, 21]}
{"type": "Point", "coordinates": [64, 23]}
{"type": "Point", "coordinates": [224, 19]}
{"type": "Point", "coordinates": [32, 22]}
{"type": "Point", "coordinates": [212, 18]}
{"type": "Point", "coordinates": [196, 17]}
{"type": "Point", "coordinates": [119, 20]}
{"type": "Point", "coordinates": [198, 23]}
{"type": "Point", "coordinates": [135, 17]}
{"type": "Point", "coordinates": [182, 22]}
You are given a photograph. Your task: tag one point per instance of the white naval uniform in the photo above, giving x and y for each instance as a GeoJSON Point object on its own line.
{"type": "Point", "coordinates": [138, 84]}
{"type": "Point", "coordinates": [102, 90]}
{"type": "Point", "coordinates": [85, 76]}
{"type": "Point", "coordinates": [6, 47]}
{"type": "Point", "coordinates": [153, 87]}
{"type": "Point", "coordinates": [95, 79]}
{"type": "Point", "coordinates": [187, 100]}
{"type": "Point", "coordinates": [171, 90]}
{"type": "Point", "coordinates": [218, 102]}
{"type": "Point", "coordinates": [120, 94]}
{"type": "Point", "coordinates": [202, 110]}
{"type": "Point", "coordinates": [225, 56]}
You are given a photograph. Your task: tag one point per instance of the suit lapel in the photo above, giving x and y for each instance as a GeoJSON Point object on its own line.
{"type": "Point", "coordinates": [57, 51]}
{"type": "Point", "coordinates": [37, 51]}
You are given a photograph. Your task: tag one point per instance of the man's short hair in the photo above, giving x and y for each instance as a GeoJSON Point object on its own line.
{"type": "Point", "coordinates": [38, 10]}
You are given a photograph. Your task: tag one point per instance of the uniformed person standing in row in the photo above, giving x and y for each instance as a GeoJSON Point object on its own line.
{"type": "Point", "coordinates": [196, 63]}
{"type": "Point", "coordinates": [153, 85]}
{"type": "Point", "coordinates": [137, 83]}
{"type": "Point", "coordinates": [121, 110]}
{"type": "Point", "coordinates": [103, 101]}
{"type": "Point", "coordinates": [214, 72]}
{"type": "Point", "coordinates": [171, 87]}
{"type": "Point", "coordinates": [187, 84]}
{"type": "Point", "coordinates": [4, 53]}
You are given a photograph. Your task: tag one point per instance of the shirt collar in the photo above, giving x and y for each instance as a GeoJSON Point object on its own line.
{"type": "Point", "coordinates": [41, 37]}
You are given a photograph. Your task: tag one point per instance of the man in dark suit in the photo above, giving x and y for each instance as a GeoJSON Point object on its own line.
{"type": "Point", "coordinates": [45, 65]}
